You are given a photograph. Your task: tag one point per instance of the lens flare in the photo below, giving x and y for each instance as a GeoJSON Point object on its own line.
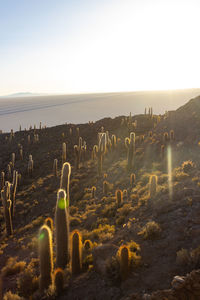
{"type": "Point", "coordinates": [169, 167]}
{"type": "Point", "coordinates": [41, 236]}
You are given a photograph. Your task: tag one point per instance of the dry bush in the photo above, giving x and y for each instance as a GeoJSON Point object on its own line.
{"type": "Point", "coordinates": [183, 257]}
{"type": "Point", "coordinates": [10, 296]}
{"type": "Point", "coordinates": [125, 210]}
{"type": "Point", "coordinates": [109, 211]}
{"type": "Point", "coordinates": [151, 230]}
{"type": "Point", "coordinates": [13, 267]}
{"type": "Point", "coordinates": [102, 233]}
{"type": "Point", "coordinates": [27, 283]}
{"type": "Point", "coordinates": [188, 166]}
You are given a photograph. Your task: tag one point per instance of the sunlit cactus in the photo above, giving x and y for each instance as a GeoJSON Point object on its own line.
{"type": "Point", "coordinates": [65, 180]}
{"type": "Point", "coordinates": [124, 256]}
{"type": "Point", "coordinates": [58, 281]}
{"type": "Point", "coordinates": [130, 145]}
{"type": "Point", "coordinates": [62, 230]}
{"type": "Point", "coordinates": [5, 196]}
{"type": "Point", "coordinates": [76, 253]}
{"type": "Point", "coordinates": [153, 186]}
{"type": "Point", "coordinates": [132, 180]}
{"type": "Point", "coordinates": [93, 192]}
{"type": "Point", "coordinates": [30, 166]}
{"type": "Point", "coordinates": [114, 142]}
{"type": "Point", "coordinates": [119, 197]}
{"type": "Point", "coordinates": [55, 167]}
{"type": "Point", "coordinates": [45, 258]}
{"type": "Point", "coordinates": [13, 189]}
{"type": "Point", "coordinates": [13, 159]}
{"type": "Point", "coordinates": [125, 194]}
{"type": "Point", "coordinates": [49, 222]}
{"type": "Point", "coordinates": [64, 149]}
{"type": "Point", "coordinates": [87, 245]}
{"type": "Point", "coordinates": [78, 131]}
{"type": "Point", "coordinates": [100, 151]}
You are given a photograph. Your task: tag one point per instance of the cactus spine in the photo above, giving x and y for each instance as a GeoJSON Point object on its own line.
{"type": "Point", "coordinates": [76, 255]}
{"type": "Point", "coordinates": [130, 145]}
{"type": "Point", "coordinates": [62, 230]}
{"type": "Point", "coordinates": [45, 257]}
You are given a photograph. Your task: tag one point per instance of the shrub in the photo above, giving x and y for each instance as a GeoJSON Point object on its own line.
{"type": "Point", "coordinates": [13, 267]}
{"type": "Point", "coordinates": [187, 166]}
{"type": "Point", "coordinates": [151, 230]}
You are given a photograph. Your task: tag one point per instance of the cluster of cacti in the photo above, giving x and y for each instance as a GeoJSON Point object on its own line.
{"type": "Point", "coordinates": [130, 145]}
{"type": "Point", "coordinates": [5, 196]}
{"type": "Point", "coordinates": [35, 138]}
{"type": "Point", "coordinates": [80, 153]}
{"type": "Point", "coordinates": [30, 166]}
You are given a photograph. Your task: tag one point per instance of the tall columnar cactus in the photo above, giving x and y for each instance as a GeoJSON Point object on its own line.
{"type": "Point", "coordinates": [105, 188]}
{"type": "Point", "coordinates": [124, 256]}
{"type": "Point", "coordinates": [64, 149]}
{"type": "Point", "coordinates": [65, 180]}
{"type": "Point", "coordinates": [153, 185]}
{"type": "Point", "coordinates": [100, 151]}
{"type": "Point", "coordinates": [130, 145]}
{"type": "Point", "coordinates": [93, 192]}
{"type": "Point", "coordinates": [58, 281]}
{"type": "Point", "coordinates": [9, 176]}
{"type": "Point", "coordinates": [119, 197]}
{"type": "Point", "coordinates": [83, 152]}
{"type": "Point", "coordinates": [13, 159]}
{"type": "Point", "coordinates": [55, 167]}
{"type": "Point", "coordinates": [70, 131]}
{"type": "Point", "coordinates": [132, 180]}
{"type": "Point", "coordinates": [77, 152]}
{"type": "Point", "coordinates": [21, 153]}
{"type": "Point", "coordinates": [76, 253]}
{"type": "Point", "coordinates": [62, 230]}
{"type": "Point", "coordinates": [171, 135]}
{"type": "Point", "coordinates": [45, 257]}
{"type": "Point", "coordinates": [13, 189]}
{"type": "Point", "coordinates": [2, 180]}
{"type": "Point", "coordinates": [165, 137]}
{"type": "Point", "coordinates": [162, 151]}
{"type": "Point", "coordinates": [113, 142]}
{"type": "Point", "coordinates": [29, 139]}
{"type": "Point", "coordinates": [5, 196]}
{"type": "Point", "coordinates": [49, 222]}
{"type": "Point", "coordinates": [30, 166]}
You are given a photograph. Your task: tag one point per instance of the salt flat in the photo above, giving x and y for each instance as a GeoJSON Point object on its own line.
{"type": "Point", "coordinates": [59, 109]}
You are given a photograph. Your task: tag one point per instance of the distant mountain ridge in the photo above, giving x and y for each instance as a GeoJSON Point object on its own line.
{"type": "Point", "coordinates": [23, 94]}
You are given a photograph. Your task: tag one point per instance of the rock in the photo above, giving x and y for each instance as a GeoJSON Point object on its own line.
{"type": "Point", "coordinates": [102, 255]}
{"type": "Point", "coordinates": [178, 282]}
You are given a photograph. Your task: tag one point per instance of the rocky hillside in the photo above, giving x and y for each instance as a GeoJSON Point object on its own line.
{"type": "Point", "coordinates": [140, 214]}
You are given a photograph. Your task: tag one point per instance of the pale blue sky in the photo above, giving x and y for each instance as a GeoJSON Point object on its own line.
{"type": "Point", "coordinates": [77, 46]}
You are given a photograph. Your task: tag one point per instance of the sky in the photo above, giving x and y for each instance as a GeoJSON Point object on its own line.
{"type": "Point", "coordinates": [82, 46]}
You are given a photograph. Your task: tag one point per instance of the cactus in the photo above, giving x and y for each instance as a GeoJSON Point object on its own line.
{"type": "Point", "coordinates": [62, 230]}
{"type": "Point", "coordinates": [2, 180]}
{"type": "Point", "coordinates": [49, 222]}
{"type": "Point", "coordinates": [65, 179]}
{"type": "Point", "coordinates": [87, 245]}
{"type": "Point", "coordinates": [13, 188]}
{"type": "Point", "coordinates": [30, 166]}
{"type": "Point", "coordinates": [58, 281]}
{"type": "Point", "coordinates": [29, 139]}
{"type": "Point", "coordinates": [132, 180]}
{"type": "Point", "coordinates": [55, 167]}
{"type": "Point", "coordinates": [76, 253]}
{"type": "Point", "coordinates": [165, 137]}
{"type": "Point", "coordinates": [77, 152]}
{"type": "Point", "coordinates": [45, 257]}
{"type": "Point", "coordinates": [113, 142]}
{"type": "Point", "coordinates": [152, 185]}
{"type": "Point", "coordinates": [100, 151]}
{"type": "Point", "coordinates": [5, 196]}
{"type": "Point", "coordinates": [93, 192]}
{"type": "Point", "coordinates": [130, 145]}
{"type": "Point", "coordinates": [70, 131]}
{"type": "Point", "coordinates": [8, 172]}
{"type": "Point", "coordinates": [124, 255]}
{"type": "Point", "coordinates": [162, 151]}
{"type": "Point", "coordinates": [21, 153]}
{"type": "Point", "coordinates": [105, 188]}
{"type": "Point", "coordinates": [125, 194]}
{"type": "Point", "coordinates": [64, 149]}
{"type": "Point", "coordinates": [171, 135]}
{"type": "Point", "coordinates": [119, 197]}
{"type": "Point", "coordinates": [13, 159]}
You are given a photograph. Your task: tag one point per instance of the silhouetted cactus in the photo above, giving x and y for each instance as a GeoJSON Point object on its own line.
{"type": "Point", "coordinates": [65, 180]}
{"type": "Point", "coordinates": [55, 167]}
{"type": "Point", "coordinates": [2, 180]}
{"type": "Point", "coordinates": [132, 180]}
{"type": "Point", "coordinates": [130, 145]}
{"type": "Point", "coordinates": [62, 230]}
{"type": "Point", "coordinates": [119, 197]}
{"type": "Point", "coordinates": [124, 262]}
{"type": "Point", "coordinates": [93, 192]}
{"type": "Point", "coordinates": [153, 186]}
{"type": "Point", "coordinates": [45, 257]}
{"type": "Point", "coordinates": [171, 135]}
{"type": "Point", "coordinates": [58, 281]}
{"type": "Point", "coordinates": [21, 153]}
{"type": "Point", "coordinates": [64, 149]}
{"type": "Point", "coordinates": [76, 253]}
{"type": "Point", "coordinates": [13, 189]}
{"type": "Point", "coordinates": [49, 222]}
{"type": "Point", "coordinates": [105, 188]}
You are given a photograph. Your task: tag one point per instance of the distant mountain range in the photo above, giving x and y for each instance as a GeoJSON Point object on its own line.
{"type": "Point", "coordinates": [24, 94]}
